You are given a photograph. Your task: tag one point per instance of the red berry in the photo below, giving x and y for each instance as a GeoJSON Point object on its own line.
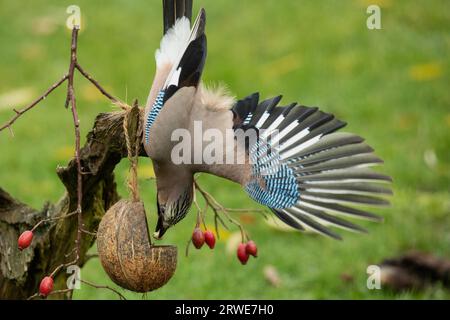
{"type": "Point", "coordinates": [198, 239]}
{"type": "Point", "coordinates": [25, 239]}
{"type": "Point", "coordinates": [251, 248]}
{"type": "Point", "coordinates": [46, 286]}
{"type": "Point", "coordinates": [242, 253]}
{"type": "Point", "coordinates": [210, 239]}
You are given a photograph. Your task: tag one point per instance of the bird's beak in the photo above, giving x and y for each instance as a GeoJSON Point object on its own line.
{"type": "Point", "coordinates": [160, 229]}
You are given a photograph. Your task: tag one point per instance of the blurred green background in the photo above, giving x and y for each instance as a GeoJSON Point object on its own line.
{"type": "Point", "coordinates": [390, 85]}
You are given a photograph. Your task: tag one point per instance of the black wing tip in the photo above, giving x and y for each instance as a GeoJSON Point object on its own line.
{"type": "Point", "coordinates": [289, 108]}
{"type": "Point", "coordinates": [253, 98]}
{"type": "Point", "coordinates": [333, 235]}
{"type": "Point", "coordinates": [287, 220]}
{"type": "Point", "coordinates": [273, 102]}
{"type": "Point", "coordinates": [175, 9]}
{"type": "Point", "coordinates": [193, 62]}
{"type": "Point", "coordinates": [202, 22]}
{"type": "Point", "coordinates": [202, 14]}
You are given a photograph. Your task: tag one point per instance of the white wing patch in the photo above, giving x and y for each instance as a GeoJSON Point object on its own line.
{"type": "Point", "coordinates": [174, 78]}
{"type": "Point", "coordinates": [174, 43]}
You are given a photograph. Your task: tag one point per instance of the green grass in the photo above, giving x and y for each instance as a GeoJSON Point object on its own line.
{"type": "Point", "coordinates": [390, 85]}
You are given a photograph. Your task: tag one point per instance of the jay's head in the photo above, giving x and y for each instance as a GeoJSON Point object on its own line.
{"type": "Point", "coordinates": [173, 205]}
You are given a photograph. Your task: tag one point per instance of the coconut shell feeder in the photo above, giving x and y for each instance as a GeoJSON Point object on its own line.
{"type": "Point", "coordinates": [123, 241]}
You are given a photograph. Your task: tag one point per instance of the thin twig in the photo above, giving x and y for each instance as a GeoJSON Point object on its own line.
{"type": "Point", "coordinates": [187, 247]}
{"type": "Point", "coordinates": [218, 208]}
{"type": "Point", "coordinates": [63, 265]}
{"type": "Point", "coordinates": [91, 233]}
{"type": "Point", "coordinates": [103, 287]}
{"type": "Point", "coordinates": [200, 217]}
{"type": "Point", "coordinates": [51, 293]}
{"type": "Point", "coordinates": [60, 291]}
{"type": "Point", "coordinates": [33, 296]}
{"type": "Point", "coordinates": [98, 86]}
{"type": "Point", "coordinates": [90, 256]}
{"type": "Point", "coordinates": [52, 219]}
{"type": "Point", "coordinates": [19, 113]}
{"type": "Point", "coordinates": [70, 252]}
{"type": "Point", "coordinates": [133, 155]}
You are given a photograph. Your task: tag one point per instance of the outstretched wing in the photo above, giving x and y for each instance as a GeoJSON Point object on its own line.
{"type": "Point", "coordinates": [308, 174]}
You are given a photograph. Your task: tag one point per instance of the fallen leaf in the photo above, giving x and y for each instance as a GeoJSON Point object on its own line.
{"type": "Point", "coordinates": [346, 62]}
{"type": "Point", "coordinates": [347, 278]}
{"type": "Point", "coordinates": [32, 51]}
{"type": "Point", "coordinates": [45, 25]}
{"type": "Point", "coordinates": [447, 119]}
{"type": "Point", "coordinates": [281, 66]}
{"type": "Point", "coordinates": [272, 276]}
{"type": "Point", "coordinates": [16, 98]}
{"type": "Point", "coordinates": [223, 233]}
{"type": "Point", "coordinates": [247, 218]}
{"type": "Point", "coordinates": [233, 242]}
{"type": "Point", "coordinates": [90, 93]}
{"type": "Point", "coordinates": [426, 71]}
{"type": "Point", "coordinates": [64, 153]}
{"type": "Point", "coordinates": [430, 158]}
{"type": "Point", "coordinates": [407, 121]}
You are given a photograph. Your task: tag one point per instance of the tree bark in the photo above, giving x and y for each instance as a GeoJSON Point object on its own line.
{"type": "Point", "coordinates": [53, 243]}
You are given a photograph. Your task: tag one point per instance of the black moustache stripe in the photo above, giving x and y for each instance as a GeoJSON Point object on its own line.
{"type": "Point", "coordinates": [181, 207]}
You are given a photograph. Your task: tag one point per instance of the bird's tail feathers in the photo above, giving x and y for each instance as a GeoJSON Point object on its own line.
{"type": "Point", "coordinates": [177, 31]}
{"type": "Point", "coordinates": [175, 9]}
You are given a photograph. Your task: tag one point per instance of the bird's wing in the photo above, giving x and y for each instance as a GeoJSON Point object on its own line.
{"type": "Point", "coordinates": [309, 175]}
{"type": "Point", "coordinates": [180, 61]}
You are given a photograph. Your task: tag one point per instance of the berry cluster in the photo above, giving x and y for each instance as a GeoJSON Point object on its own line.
{"type": "Point", "coordinates": [199, 238]}
{"type": "Point", "coordinates": [244, 251]}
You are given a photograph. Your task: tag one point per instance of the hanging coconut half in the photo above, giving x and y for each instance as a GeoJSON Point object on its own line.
{"type": "Point", "coordinates": [126, 252]}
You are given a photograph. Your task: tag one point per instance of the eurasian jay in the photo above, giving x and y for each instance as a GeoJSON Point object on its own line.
{"type": "Point", "coordinates": [293, 160]}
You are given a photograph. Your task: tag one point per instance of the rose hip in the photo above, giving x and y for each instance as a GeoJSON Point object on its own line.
{"type": "Point", "coordinates": [251, 248]}
{"type": "Point", "coordinates": [242, 253]}
{"type": "Point", "coordinates": [25, 239]}
{"type": "Point", "coordinates": [210, 239]}
{"type": "Point", "coordinates": [198, 238]}
{"type": "Point", "coordinates": [46, 286]}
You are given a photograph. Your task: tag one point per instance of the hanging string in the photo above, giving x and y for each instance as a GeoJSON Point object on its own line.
{"type": "Point", "coordinates": [133, 155]}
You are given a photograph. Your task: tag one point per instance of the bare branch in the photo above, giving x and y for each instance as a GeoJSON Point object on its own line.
{"type": "Point", "coordinates": [52, 219]}
{"type": "Point", "coordinates": [104, 287]}
{"type": "Point", "coordinates": [220, 209]}
{"type": "Point", "coordinates": [98, 86]}
{"type": "Point", "coordinates": [20, 112]}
